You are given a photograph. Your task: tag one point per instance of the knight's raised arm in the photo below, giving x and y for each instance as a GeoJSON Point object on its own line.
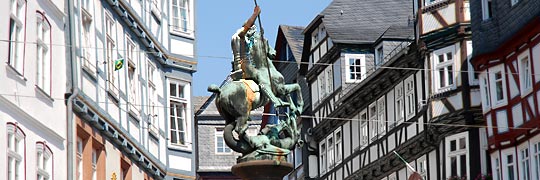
{"type": "Point", "coordinates": [251, 19]}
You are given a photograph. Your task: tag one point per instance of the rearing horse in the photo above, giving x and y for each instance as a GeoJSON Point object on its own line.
{"type": "Point", "coordinates": [261, 84]}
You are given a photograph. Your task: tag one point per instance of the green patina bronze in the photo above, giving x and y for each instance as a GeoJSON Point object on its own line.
{"type": "Point", "coordinates": [256, 82]}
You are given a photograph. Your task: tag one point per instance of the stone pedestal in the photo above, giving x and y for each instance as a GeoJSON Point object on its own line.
{"type": "Point", "coordinates": [262, 169]}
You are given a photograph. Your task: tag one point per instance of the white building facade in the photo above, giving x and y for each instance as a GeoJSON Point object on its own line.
{"type": "Point", "coordinates": [132, 71]}
{"type": "Point", "coordinates": [32, 110]}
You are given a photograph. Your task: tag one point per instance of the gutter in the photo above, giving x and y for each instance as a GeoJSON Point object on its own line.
{"type": "Point", "coordinates": [72, 85]}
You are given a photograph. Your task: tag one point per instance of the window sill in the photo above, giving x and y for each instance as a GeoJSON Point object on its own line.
{"type": "Point", "coordinates": [42, 92]}
{"type": "Point", "coordinates": [183, 148]}
{"type": "Point", "coordinates": [16, 72]}
{"type": "Point", "coordinates": [182, 34]}
{"type": "Point", "coordinates": [90, 72]}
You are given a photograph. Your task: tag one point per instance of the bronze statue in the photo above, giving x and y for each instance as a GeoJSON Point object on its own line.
{"type": "Point", "coordinates": [259, 84]}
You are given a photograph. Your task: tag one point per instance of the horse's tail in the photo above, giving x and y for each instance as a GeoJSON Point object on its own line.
{"type": "Point", "coordinates": [214, 88]}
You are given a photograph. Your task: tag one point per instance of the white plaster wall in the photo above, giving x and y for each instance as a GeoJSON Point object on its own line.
{"type": "Point", "coordinates": [438, 108]}
{"type": "Point", "coordinates": [430, 23]}
{"type": "Point", "coordinates": [180, 163]}
{"type": "Point", "coordinates": [517, 115]}
{"type": "Point", "coordinates": [346, 129]}
{"type": "Point", "coordinates": [182, 48]}
{"type": "Point", "coordinates": [535, 60]}
{"type": "Point", "coordinates": [456, 101]}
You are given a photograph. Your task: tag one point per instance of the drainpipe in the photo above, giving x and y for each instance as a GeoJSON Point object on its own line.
{"type": "Point", "coordinates": [74, 90]}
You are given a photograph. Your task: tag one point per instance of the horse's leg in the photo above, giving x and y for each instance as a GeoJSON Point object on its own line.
{"type": "Point", "coordinates": [289, 88]}
{"type": "Point", "coordinates": [241, 125]}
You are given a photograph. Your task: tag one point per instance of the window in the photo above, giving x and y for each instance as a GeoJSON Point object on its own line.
{"type": "Point", "coordinates": [379, 57]}
{"type": "Point", "coordinates": [373, 121]}
{"type": "Point", "coordinates": [524, 164]}
{"type": "Point", "coordinates": [94, 164]}
{"type": "Point", "coordinates": [457, 150]}
{"type": "Point", "coordinates": [381, 115]}
{"type": "Point", "coordinates": [422, 167]}
{"type": "Point", "coordinates": [409, 97]}
{"type": "Point", "coordinates": [221, 147]}
{"type": "Point", "coordinates": [109, 52]}
{"type": "Point", "coordinates": [43, 43]}
{"type": "Point", "coordinates": [179, 124]}
{"type": "Point", "coordinates": [322, 86]}
{"type": "Point", "coordinates": [80, 149]}
{"type": "Point", "coordinates": [487, 11]}
{"type": "Point", "coordinates": [86, 5]}
{"type": "Point", "coordinates": [496, 169]}
{"type": "Point", "coordinates": [155, 8]}
{"type": "Point", "coordinates": [330, 153]}
{"type": "Point", "coordinates": [329, 80]}
{"type": "Point", "coordinates": [322, 163]}
{"type": "Point", "coordinates": [151, 73]}
{"type": "Point", "coordinates": [356, 67]}
{"type": "Point", "coordinates": [400, 106]}
{"type": "Point", "coordinates": [514, 2]}
{"type": "Point", "coordinates": [297, 157]}
{"type": "Point", "coordinates": [429, 2]}
{"type": "Point", "coordinates": [444, 69]}
{"type": "Point", "coordinates": [16, 35]}
{"type": "Point", "coordinates": [133, 76]}
{"type": "Point", "coordinates": [180, 15]}
{"type": "Point", "coordinates": [536, 161]}
{"type": "Point", "coordinates": [484, 91]}
{"type": "Point", "coordinates": [510, 167]}
{"type": "Point", "coordinates": [15, 152]}
{"type": "Point", "coordinates": [44, 161]}
{"type": "Point", "coordinates": [364, 129]}
{"type": "Point", "coordinates": [497, 79]}
{"type": "Point", "coordinates": [525, 76]}
{"type": "Point", "coordinates": [339, 145]}
{"type": "Point", "coordinates": [87, 41]}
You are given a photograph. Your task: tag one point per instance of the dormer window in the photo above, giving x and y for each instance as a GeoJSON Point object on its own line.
{"type": "Point", "coordinates": [379, 56]}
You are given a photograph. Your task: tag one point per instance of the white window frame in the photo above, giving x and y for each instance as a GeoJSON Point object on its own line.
{"type": "Point", "coordinates": [448, 73]}
{"type": "Point", "coordinates": [184, 101]}
{"type": "Point", "coordinates": [372, 115]}
{"type": "Point", "coordinates": [381, 116]}
{"type": "Point", "coordinates": [133, 75]}
{"type": "Point", "coordinates": [322, 156]}
{"type": "Point", "coordinates": [495, 103]}
{"type": "Point", "coordinates": [422, 167]}
{"type": "Point", "coordinates": [379, 55]}
{"type": "Point", "coordinates": [322, 86]}
{"type": "Point", "coordinates": [338, 138]}
{"type": "Point", "coordinates": [364, 132]}
{"type": "Point", "coordinates": [109, 25]}
{"type": "Point", "coordinates": [17, 29]}
{"type": "Point", "coordinates": [87, 31]}
{"type": "Point", "coordinates": [44, 165]}
{"type": "Point", "coordinates": [525, 73]}
{"type": "Point", "coordinates": [79, 165]}
{"type": "Point", "coordinates": [181, 15]}
{"type": "Point", "coordinates": [358, 76]}
{"type": "Point", "coordinates": [484, 91]}
{"type": "Point", "coordinates": [506, 165]}
{"type": "Point", "coordinates": [457, 153]}
{"type": "Point", "coordinates": [496, 166]}
{"type": "Point", "coordinates": [43, 53]}
{"type": "Point", "coordinates": [330, 140]}
{"type": "Point", "coordinates": [224, 149]}
{"type": "Point", "coordinates": [535, 152]}
{"type": "Point", "coordinates": [329, 80]}
{"type": "Point", "coordinates": [94, 164]}
{"type": "Point", "coordinates": [16, 148]}
{"type": "Point", "coordinates": [410, 104]}
{"type": "Point", "coordinates": [487, 12]}
{"type": "Point", "coordinates": [524, 162]}
{"type": "Point", "coordinates": [399, 104]}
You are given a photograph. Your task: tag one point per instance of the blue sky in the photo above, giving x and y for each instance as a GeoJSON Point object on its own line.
{"type": "Point", "coordinates": [217, 20]}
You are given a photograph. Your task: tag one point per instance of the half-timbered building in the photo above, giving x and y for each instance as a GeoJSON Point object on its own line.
{"type": "Point", "coordinates": [443, 30]}
{"type": "Point", "coordinates": [367, 95]}
{"type": "Point", "coordinates": [506, 39]}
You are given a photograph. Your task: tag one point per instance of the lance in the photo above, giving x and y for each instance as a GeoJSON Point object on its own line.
{"type": "Point", "coordinates": [264, 50]}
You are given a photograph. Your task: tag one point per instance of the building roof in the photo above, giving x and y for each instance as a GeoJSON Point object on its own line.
{"type": "Point", "coordinates": [295, 39]}
{"type": "Point", "coordinates": [365, 21]}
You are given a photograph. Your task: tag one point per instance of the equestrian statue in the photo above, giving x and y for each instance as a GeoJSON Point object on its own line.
{"type": "Point", "coordinates": [255, 83]}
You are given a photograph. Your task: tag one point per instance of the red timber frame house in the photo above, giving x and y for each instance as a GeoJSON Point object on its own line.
{"type": "Point", "coordinates": [509, 67]}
